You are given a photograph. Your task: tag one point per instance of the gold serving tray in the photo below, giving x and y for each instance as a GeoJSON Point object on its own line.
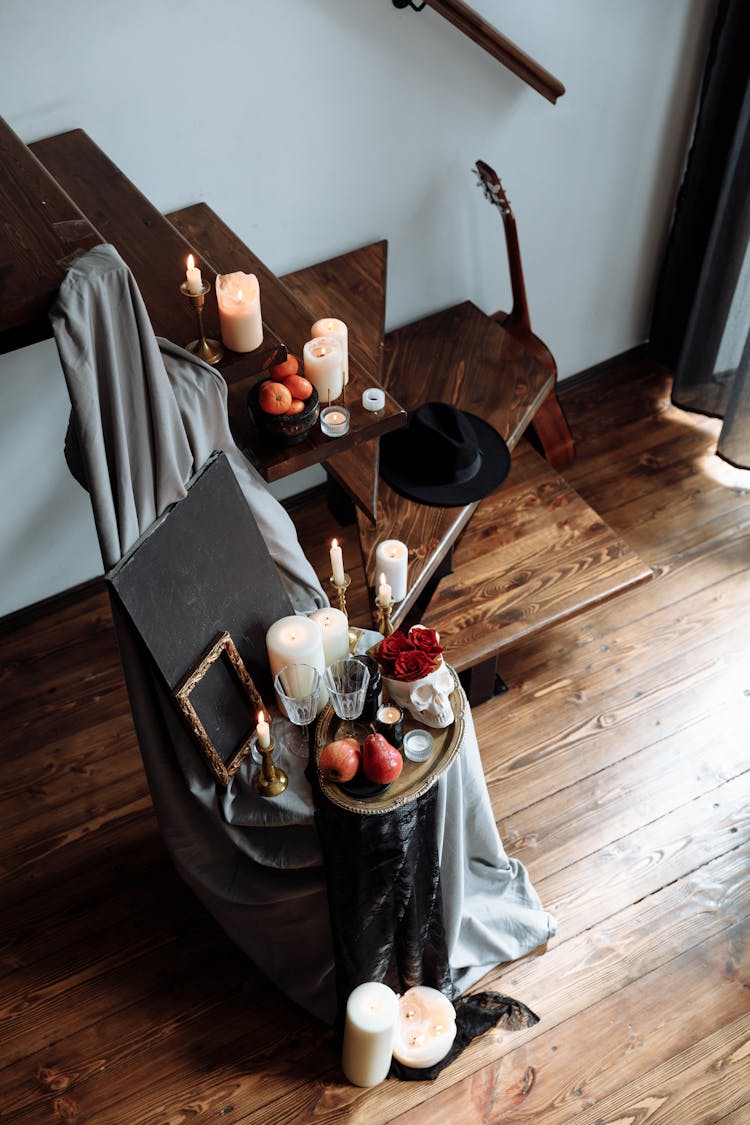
{"type": "Point", "coordinates": [415, 778]}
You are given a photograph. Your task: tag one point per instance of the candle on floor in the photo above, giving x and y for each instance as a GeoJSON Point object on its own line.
{"type": "Point", "coordinates": [321, 359]}
{"type": "Point", "coordinates": [263, 732]}
{"type": "Point", "coordinates": [371, 1014]}
{"type": "Point", "coordinates": [425, 1028]}
{"type": "Point", "coordinates": [335, 330]}
{"type": "Point", "coordinates": [193, 276]}
{"type": "Point", "coordinates": [334, 627]}
{"type": "Point", "coordinates": [238, 296]}
{"type": "Point", "coordinates": [392, 560]}
{"type": "Point", "coordinates": [296, 640]}
{"type": "Point", "coordinates": [337, 564]}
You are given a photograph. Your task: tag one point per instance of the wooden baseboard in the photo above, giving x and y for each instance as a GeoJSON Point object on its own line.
{"type": "Point", "coordinates": [20, 618]}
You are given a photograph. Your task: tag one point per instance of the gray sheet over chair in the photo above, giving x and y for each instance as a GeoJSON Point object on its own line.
{"type": "Point", "coordinates": [147, 415]}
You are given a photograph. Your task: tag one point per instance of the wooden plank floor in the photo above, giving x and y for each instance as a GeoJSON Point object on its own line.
{"type": "Point", "coordinates": [618, 768]}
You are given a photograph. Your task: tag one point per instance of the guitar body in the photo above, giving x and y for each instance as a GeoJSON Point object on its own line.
{"type": "Point", "coordinates": [550, 425]}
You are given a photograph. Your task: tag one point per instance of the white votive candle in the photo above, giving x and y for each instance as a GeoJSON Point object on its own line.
{"type": "Point", "coordinates": [371, 1013]}
{"type": "Point", "coordinates": [238, 297]}
{"type": "Point", "coordinates": [334, 627]}
{"type": "Point", "coordinates": [392, 560]}
{"type": "Point", "coordinates": [334, 421]}
{"type": "Point", "coordinates": [296, 640]}
{"type": "Point", "coordinates": [193, 276]}
{"type": "Point", "coordinates": [337, 564]}
{"type": "Point", "coordinates": [321, 359]}
{"type": "Point", "coordinates": [425, 1028]}
{"type": "Point", "coordinates": [335, 330]}
{"type": "Point", "coordinates": [263, 732]}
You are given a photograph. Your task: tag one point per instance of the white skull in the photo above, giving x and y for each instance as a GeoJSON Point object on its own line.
{"type": "Point", "coordinates": [427, 699]}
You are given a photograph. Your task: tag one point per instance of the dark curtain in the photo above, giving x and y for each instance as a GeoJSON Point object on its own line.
{"type": "Point", "coordinates": [701, 322]}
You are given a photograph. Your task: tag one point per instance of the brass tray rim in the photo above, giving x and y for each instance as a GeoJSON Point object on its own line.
{"type": "Point", "coordinates": [449, 752]}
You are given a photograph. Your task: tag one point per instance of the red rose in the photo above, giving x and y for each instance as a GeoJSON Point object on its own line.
{"type": "Point", "coordinates": [389, 648]}
{"type": "Point", "coordinates": [426, 640]}
{"type": "Point", "coordinates": [413, 665]}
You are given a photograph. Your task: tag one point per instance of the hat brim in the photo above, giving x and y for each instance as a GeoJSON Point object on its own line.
{"type": "Point", "coordinates": [494, 467]}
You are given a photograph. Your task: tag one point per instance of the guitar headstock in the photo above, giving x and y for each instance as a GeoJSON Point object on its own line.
{"type": "Point", "coordinates": [493, 190]}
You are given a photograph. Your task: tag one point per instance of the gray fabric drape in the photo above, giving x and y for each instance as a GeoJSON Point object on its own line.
{"type": "Point", "coordinates": [701, 323]}
{"type": "Point", "coordinates": [146, 416]}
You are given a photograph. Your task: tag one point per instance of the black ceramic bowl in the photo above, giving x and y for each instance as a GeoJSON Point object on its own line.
{"type": "Point", "coordinates": [283, 429]}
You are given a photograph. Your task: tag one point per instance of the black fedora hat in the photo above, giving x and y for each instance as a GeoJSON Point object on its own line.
{"type": "Point", "coordinates": [444, 456]}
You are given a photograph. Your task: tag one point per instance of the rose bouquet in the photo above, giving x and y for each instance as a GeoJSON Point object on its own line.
{"type": "Point", "coordinates": [408, 657]}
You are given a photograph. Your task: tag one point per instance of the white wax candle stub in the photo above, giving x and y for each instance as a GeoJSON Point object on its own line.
{"type": "Point", "coordinates": [371, 1016]}
{"type": "Point", "coordinates": [392, 560]}
{"type": "Point", "coordinates": [321, 359]}
{"type": "Point", "coordinates": [238, 297]}
{"type": "Point", "coordinates": [373, 399]}
{"type": "Point", "coordinates": [335, 329]}
{"type": "Point", "coordinates": [193, 276]}
{"type": "Point", "coordinates": [384, 592]}
{"type": "Point", "coordinates": [263, 732]}
{"type": "Point", "coordinates": [334, 627]}
{"type": "Point", "coordinates": [296, 640]}
{"type": "Point", "coordinates": [425, 1028]}
{"type": "Point", "coordinates": [337, 564]}
{"type": "Point", "coordinates": [388, 714]}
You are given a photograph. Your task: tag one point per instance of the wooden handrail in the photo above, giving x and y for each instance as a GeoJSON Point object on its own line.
{"type": "Point", "coordinates": [501, 48]}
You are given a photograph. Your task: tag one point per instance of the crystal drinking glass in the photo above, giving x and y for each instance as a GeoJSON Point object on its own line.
{"type": "Point", "coordinates": [346, 682]}
{"type": "Point", "coordinates": [298, 689]}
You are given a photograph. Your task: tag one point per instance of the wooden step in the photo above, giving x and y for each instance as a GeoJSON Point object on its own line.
{"type": "Point", "coordinates": [533, 554]}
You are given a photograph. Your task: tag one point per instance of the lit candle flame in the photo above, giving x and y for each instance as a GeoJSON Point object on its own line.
{"type": "Point", "coordinates": [191, 262]}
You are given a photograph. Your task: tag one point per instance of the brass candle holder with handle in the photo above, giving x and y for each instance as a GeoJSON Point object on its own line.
{"type": "Point", "coordinates": [210, 351]}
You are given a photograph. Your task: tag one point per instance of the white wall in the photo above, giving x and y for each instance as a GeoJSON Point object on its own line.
{"type": "Point", "coordinates": [315, 126]}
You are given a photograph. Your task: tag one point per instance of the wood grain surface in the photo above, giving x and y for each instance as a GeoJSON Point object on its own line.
{"type": "Point", "coordinates": [617, 766]}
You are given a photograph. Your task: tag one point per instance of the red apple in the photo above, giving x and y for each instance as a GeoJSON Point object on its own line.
{"type": "Point", "coordinates": [339, 760]}
{"type": "Point", "coordinates": [381, 762]}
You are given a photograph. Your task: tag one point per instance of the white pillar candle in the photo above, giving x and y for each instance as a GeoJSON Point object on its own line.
{"type": "Point", "coordinates": [263, 732]}
{"type": "Point", "coordinates": [238, 296]}
{"type": "Point", "coordinates": [392, 560]}
{"type": "Point", "coordinates": [337, 564]}
{"type": "Point", "coordinates": [336, 330]}
{"type": "Point", "coordinates": [193, 276]}
{"type": "Point", "coordinates": [296, 640]}
{"type": "Point", "coordinates": [371, 1013]}
{"type": "Point", "coordinates": [321, 359]}
{"type": "Point", "coordinates": [384, 592]}
{"type": "Point", "coordinates": [425, 1028]}
{"type": "Point", "coordinates": [334, 627]}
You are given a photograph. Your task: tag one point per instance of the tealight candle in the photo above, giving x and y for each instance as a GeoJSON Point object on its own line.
{"type": "Point", "coordinates": [334, 421]}
{"type": "Point", "coordinates": [392, 560]}
{"type": "Point", "coordinates": [373, 399]}
{"type": "Point", "coordinates": [389, 722]}
{"type": "Point", "coordinates": [263, 732]}
{"type": "Point", "coordinates": [321, 359]}
{"type": "Point", "coordinates": [418, 745]}
{"type": "Point", "coordinates": [238, 297]}
{"type": "Point", "coordinates": [425, 1028]}
{"type": "Point", "coordinates": [337, 564]}
{"type": "Point", "coordinates": [371, 1014]}
{"type": "Point", "coordinates": [193, 276]}
{"type": "Point", "coordinates": [296, 640]}
{"type": "Point", "coordinates": [335, 330]}
{"type": "Point", "coordinates": [334, 626]}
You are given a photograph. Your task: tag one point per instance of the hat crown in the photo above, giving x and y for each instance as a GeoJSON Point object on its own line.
{"type": "Point", "coordinates": [444, 447]}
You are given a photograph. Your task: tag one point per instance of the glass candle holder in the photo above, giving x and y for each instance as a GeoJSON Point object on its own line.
{"type": "Point", "coordinates": [334, 421]}
{"type": "Point", "coordinates": [418, 745]}
{"type": "Point", "coordinates": [389, 722]}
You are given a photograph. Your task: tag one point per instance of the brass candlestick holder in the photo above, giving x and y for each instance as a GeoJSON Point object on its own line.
{"type": "Point", "coordinates": [385, 625]}
{"type": "Point", "coordinates": [269, 780]}
{"type": "Point", "coordinates": [341, 591]}
{"type": "Point", "coordinates": [210, 351]}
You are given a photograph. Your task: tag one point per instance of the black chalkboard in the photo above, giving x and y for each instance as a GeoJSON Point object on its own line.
{"type": "Point", "coordinates": [200, 570]}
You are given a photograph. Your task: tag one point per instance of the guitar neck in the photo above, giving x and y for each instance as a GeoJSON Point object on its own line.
{"type": "Point", "coordinates": [519, 314]}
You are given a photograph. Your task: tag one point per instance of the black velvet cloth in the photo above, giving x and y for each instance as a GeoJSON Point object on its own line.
{"type": "Point", "coordinates": [383, 878]}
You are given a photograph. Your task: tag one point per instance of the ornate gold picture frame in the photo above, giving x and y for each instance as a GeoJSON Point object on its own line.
{"type": "Point", "coordinates": [223, 770]}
